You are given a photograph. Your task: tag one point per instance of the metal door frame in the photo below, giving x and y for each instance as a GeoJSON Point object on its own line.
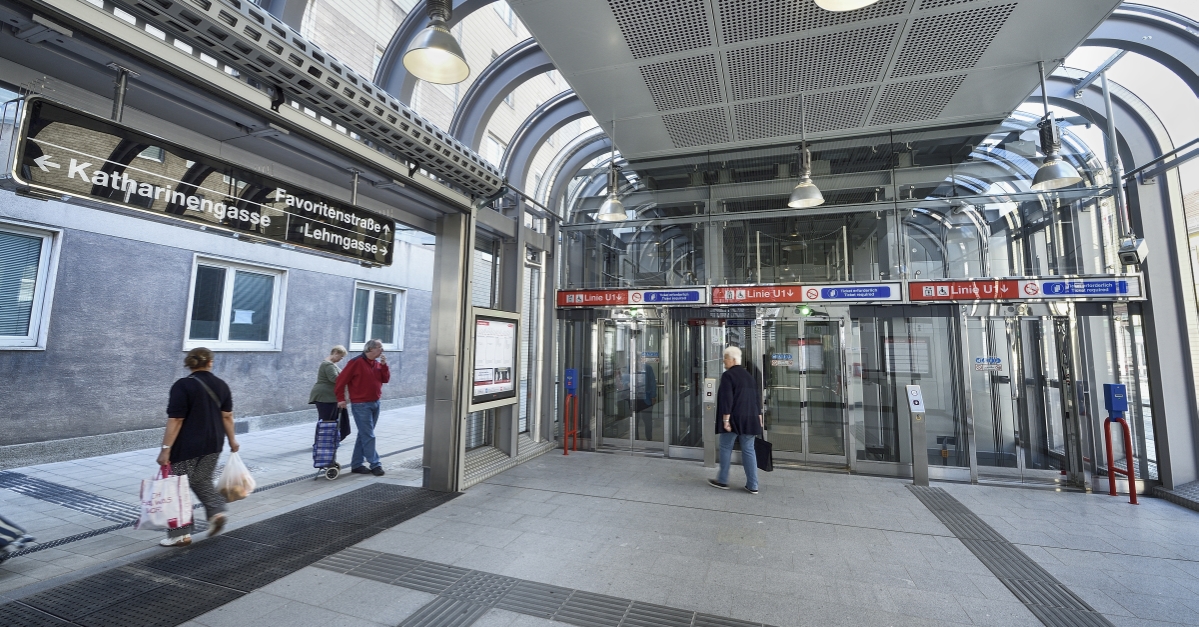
{"type": "Point", "coordinates": [632, 444]}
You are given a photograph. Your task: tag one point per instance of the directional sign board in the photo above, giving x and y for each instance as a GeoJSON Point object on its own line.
{"type": "Point", "coordinates": [63, 152]}
{"type": "Point", "coordinates": [1042, 288]}
{"type": "Point", "coordinates": [863, 292]}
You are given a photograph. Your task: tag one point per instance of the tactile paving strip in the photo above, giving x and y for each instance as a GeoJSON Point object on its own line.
{"type": "Point", "coordinates": [1046, 597]}
{"type": "Point", "coordinates": [68, 497]}
{"type": "Point", "coordinates": [477, 589]}
{"type": "Point", "coordinates": [180, 584]}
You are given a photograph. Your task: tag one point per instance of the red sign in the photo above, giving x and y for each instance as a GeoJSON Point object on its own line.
{"type": "Point", "coordinates": [749, 294]}
{"type": "Point", "coordinates": [593, 298]}
{"type": "Point", "coordinates": [992, 289]}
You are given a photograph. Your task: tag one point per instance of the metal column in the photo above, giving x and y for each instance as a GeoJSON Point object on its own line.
{"type": "Point", "coordinates": [445, 401]}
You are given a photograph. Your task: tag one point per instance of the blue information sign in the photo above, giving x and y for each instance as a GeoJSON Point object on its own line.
{"type": "Point", "coordinates": [571, 380]}
{"type": "Point", "coordinates": [857, 292]}
{"type": "Point", "coordinates": [1086, 287]}
{"type": "Point", "coordinates": [674, 296]}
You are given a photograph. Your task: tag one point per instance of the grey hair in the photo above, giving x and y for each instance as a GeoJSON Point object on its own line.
{"type": "Point", "coordinates": [372, 345]}
{"type": "Point", "coordinates": [733, 352]}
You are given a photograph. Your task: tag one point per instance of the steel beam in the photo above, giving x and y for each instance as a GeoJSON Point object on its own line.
{"type": "Point", "coordinates": [517, 65]}
{"type": "Point", "coordinates": [552, 115]}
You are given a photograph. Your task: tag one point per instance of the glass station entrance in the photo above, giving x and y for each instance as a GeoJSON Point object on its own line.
{"type": "Point", "coordinates": [1010, 388]}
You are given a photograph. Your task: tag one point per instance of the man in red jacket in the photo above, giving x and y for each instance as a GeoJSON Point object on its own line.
{"type": "Point", "coordinates": [362, 383]}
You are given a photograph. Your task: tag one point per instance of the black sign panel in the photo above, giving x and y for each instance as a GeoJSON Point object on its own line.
{"type": "Point", "coordinates": [69, 152]}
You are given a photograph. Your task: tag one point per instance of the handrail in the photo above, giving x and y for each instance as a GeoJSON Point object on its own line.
{"type": "Point", "coordinates": [1112, 471]}
{"type": "Point", "coordinates": [570, 428]}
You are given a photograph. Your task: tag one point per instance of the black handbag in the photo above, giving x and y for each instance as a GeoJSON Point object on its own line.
{"type": "Point", "coordinates": [343, 425]}
{"type": "Point", "coordinates": [764, 452]}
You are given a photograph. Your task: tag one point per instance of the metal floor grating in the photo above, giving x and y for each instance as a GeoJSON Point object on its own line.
{"type": "Point", "coordinates": [1046, 597]}
{"type": "Point", "coordinates": [177, 585]}
{"type": "Point", "coordinates": [472, 593]}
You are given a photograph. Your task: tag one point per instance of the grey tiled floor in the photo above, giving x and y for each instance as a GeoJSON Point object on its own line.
{"type": "Point", "coordinates": [811, 549]}
{"type": "Point", "coordinates": [272, 455]}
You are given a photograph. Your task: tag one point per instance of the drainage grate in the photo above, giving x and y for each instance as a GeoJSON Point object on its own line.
{"type": "Point", "coordinates": [593, 610]}
{"type": "Point", "coordinates": [177, 586]}
{"type": "Point", "coordinates": [1050, 601]}
{"type": "Point", "coordinates": [68, 497]}
{"type": "Point", "coordinates": [446, 612]}
{"type": "Point", "coordinates": [78, 598]}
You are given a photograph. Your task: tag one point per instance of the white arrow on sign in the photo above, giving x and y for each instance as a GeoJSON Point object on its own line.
{"type": "Point", "coordinates": [386, 229]}
{"type": "Point", "coordinates": [45, 164]}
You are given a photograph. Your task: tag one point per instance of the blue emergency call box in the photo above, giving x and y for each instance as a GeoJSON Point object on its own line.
{"type": "Point", "coordinates": [1115, 399]}
{"type": "Point", "coordinates": [571, 380]}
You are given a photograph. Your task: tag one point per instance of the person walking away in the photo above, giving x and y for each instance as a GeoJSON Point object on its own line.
{"type": "Point", "coordinates": [739, 417]}
{"type": "Point", "coordinates": [326, 378]}
{"type": "Point", "coordinates": [362, 383]}
{"type": "Point", "coordinates": [199, 418]}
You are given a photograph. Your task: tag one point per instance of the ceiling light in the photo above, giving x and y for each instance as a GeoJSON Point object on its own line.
{"type": "Point", "coordinates": [434, 55]}
{"type": "Point", "coordinates": [843, 5]}
{"type": "Point", "coordinates": [612, 210]}
{"type": "Point", "coordinates": [1055, 172]}
{"type": "Point", "coordinates": [805, 194]}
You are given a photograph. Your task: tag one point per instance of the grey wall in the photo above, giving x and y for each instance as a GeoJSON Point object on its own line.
{"type": "Point", "coordinates": [116, 336]}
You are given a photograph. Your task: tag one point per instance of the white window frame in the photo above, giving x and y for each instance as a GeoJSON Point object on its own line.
{"type": "Point", "coordinates": [397, 343]}
{"type": "Point", "coordinates": [43, 290]}
{"type": "Point", "coordinates": [278, 305]}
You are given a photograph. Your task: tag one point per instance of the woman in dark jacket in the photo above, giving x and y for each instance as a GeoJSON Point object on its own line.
{"type": "Point", "coordinates": [322, 391]}
{"type": "Point", "coordinates": [200, 416]}
{"type": "Point", "coordinates": [738, 417]}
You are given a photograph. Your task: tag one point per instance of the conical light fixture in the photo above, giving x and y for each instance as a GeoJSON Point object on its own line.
{"type": "Point", "coordinates": [612, 210]}
{"type": "Point", "coordinates": [1055, 173]}
{"type": "Point", "coordinates": [434, 55]}
{"type": "Point", "coordinates": [805, 194]}
{"type": "Point", "coordinates": [843, 5]}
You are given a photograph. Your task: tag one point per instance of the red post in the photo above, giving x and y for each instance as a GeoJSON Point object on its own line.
{"type": "Point", "coordinates": [1131, 473]}
{"type": "Point", "coordinates": [570, 428]}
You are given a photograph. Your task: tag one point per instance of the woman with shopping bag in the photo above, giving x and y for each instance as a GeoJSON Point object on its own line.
{"type": "Point", "coordinates": [200, 417]}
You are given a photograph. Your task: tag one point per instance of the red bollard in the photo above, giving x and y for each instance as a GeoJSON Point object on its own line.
{"type": "Point", "coordinates": [570, 429]}
{"type": "Point", "coordinates": [1131, 473]}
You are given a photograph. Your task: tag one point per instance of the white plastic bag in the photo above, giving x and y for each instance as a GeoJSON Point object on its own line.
{"type": "Point", "coordinates": [166, 502]}
{"type": "Point", "coordinates": [235, 482]}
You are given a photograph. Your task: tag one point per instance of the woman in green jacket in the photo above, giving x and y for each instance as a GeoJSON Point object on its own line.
{"type": "Point", "coordinates": [322, 391]}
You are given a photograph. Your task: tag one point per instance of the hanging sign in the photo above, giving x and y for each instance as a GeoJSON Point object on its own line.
{"type": "Point", "coordinates": [592, 298]}
{"type": "Point", "coordinates": [863, 292]}
{"type": "Point", "coordinates": [981, 289]}
{"type": "Point", "coordinates": [1051, 288]}
{"type": "Point", "coordinates": [1129, 286]}
{"type": "Point", "coordinates": [74, 154]}
{"type": "Point", "coordinates": [988, 364]}
{"type": "Point", "coordinates": [741, 294]}
{"type": "Point", "coordinates": [696, 296]}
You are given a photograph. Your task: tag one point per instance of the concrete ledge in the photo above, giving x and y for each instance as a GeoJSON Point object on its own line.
{"type": "Point", "coordinates": [32, 453]}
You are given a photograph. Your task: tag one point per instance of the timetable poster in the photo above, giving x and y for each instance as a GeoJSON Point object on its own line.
{"type": "Point", "coordinates": [495, 359]}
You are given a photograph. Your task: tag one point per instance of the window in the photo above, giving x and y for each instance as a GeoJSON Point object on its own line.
{"type": "Point", "coordinates": [377, 60]}
{"type": "Point", "coordinates": [28, 259]}
{"type": "Point", "coordinates": [153, 153]}
{"type": "Point", "coordinates": [493, 149]}
{"type": "Point", "coordinates": [510, 99]}
{"type": "Point", "coordinates": [235, 307]}
{"type": "Point", "coordinates": [505, 12]}
{"type": "Point", "coordinates": [378, 314]}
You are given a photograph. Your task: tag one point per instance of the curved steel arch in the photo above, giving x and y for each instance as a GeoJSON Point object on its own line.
{"type": "Point", "coordinates": [1170, 311]}
{"type": "Point", "coordinates": [391, 74]}
{"type": "Point", "coordinates": [576, 154]}
{"type": "Point", "coordinates": [544, 121]}
{"type": "Point", "coordinates": [507, 71]}
{"type": "Point", "coordinates": [1168, 38]}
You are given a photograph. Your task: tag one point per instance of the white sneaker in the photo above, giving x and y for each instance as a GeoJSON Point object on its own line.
{"type": "Point", "coordinates": [180, 541]}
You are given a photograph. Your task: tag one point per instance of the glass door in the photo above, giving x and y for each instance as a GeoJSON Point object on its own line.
{"type": "Point", "coordinates": [631, 408]}
{"type": "Point", "coordinates": [1016, 393]}
{"type": "Point", "coordinates": [804, 389]}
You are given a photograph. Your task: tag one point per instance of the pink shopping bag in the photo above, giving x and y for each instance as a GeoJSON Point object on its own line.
{"type": "Point", "coordinates": [166, 502]}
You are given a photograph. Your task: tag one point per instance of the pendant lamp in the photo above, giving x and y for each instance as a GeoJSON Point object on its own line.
{"type": "Point", "coordinates": [1056, 172]}
{"type": "Point", "coordinates": [612, 210]}
{"type": "Point", "coordinates": [805, 194]}
{"type": "Point", "coordinates": [843, 5]}
{"type": "Point", "coordinates": [434, 55]}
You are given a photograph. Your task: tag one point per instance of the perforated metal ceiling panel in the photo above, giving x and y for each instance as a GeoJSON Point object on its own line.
{"type": "Point", "coordinates": [677, 76]}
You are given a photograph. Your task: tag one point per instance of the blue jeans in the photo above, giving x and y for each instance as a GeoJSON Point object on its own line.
{"type": "Point", "coordinates": [749, 459]}
{"type": "Point", "coordinates": [366, 415]}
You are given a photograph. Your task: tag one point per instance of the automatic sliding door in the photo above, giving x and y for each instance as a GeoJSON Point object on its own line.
{"type": "Point", "coordinates": [783, 375]}
{"type": "Point", "coordinates": [825, 395]}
